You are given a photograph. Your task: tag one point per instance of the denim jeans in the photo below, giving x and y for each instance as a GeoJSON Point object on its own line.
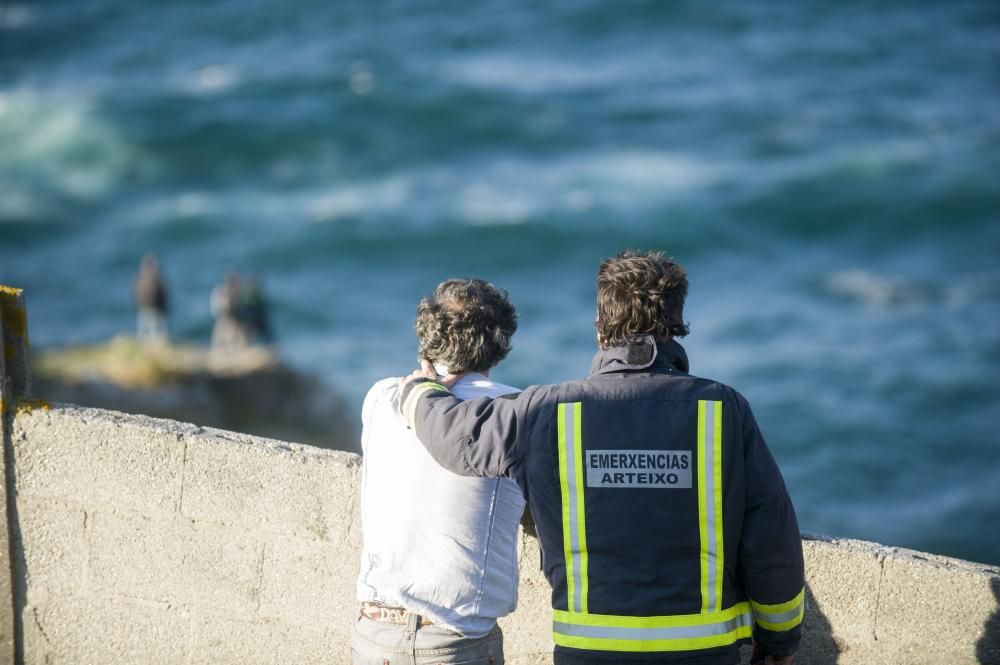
{"type": "Point", "coordinates": [381, 643]}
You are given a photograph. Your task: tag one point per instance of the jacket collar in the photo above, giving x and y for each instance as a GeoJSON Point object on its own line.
{"type": "Point", "coordinates": [642, 353]}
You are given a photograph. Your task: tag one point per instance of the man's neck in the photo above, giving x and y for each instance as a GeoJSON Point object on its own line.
{"type": "Point", "coordinates": [445, 371]}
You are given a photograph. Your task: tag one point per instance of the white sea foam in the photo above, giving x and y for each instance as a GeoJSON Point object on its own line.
{"type": "Point", "coordinates": [58, 148]}
{"type": "Point", "coordinates": [485, 204]}
{"type": "Point", "coordinates": [524, 73]}
{"type": "Point", "coordinates": [863, 160]}
{"type": "Point", "coordinates": [14, 17]}
{"type": "Point", "coordinates": [388, 195]}
{"type": "Point", "coordinates": [361, 78]}
{"type": "Point", "coordinates": [214, 78]}
{"type": "Point", "coordinates": [513, 191]}
{"type": "Point", "coordinates": [647, 170]}
{"type": "Point", "coordinates": [873, 290]}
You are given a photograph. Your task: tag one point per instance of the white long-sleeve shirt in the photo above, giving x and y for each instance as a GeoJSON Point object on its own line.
{"type": "Point", "coordinates": [441, 545]}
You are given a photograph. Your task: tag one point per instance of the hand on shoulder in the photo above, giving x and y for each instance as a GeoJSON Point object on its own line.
{"type": "Point", "coordinates": [426, 371]}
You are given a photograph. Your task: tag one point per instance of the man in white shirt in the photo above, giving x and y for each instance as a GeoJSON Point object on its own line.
{"type": "Point", "coordinates": [439, 564]}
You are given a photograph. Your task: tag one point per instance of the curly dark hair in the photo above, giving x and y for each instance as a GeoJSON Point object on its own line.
{"type": "Point", "coordinates": [640, 293]}
{"type": "Point", "coordinates": [465, 324]}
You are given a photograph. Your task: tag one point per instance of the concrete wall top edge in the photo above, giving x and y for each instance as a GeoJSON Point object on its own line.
{"type": "Point", "coordinates": [901, 553]}
{"type": "Point", "coordinates": [181, 429]}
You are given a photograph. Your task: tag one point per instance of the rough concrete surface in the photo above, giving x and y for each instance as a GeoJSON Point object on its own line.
{"type": "Point", "coordinates": [149, 541]}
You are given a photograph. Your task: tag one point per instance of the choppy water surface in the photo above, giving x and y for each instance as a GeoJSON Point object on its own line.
{"type": "Point", "coordinates": [827, 171]}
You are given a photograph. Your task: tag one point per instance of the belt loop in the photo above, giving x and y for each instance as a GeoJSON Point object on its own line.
{"type": "Point", "coordinates": [412, 621]}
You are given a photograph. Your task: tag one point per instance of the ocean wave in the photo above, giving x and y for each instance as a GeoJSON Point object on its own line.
{"type": "Point", "coordinates": [878, 291]}
{"type": "Point", "coordinates": [874, 290]}
{"type": "Point", "coordinates": [58, 152]}
{"type": "Point", "coordinates": [213, 78]}
{"type": "Point", "coordinates": [15, 17]}
{"type": "Point", "coordinates": [500, 191]}
{"type": "Point", "coordinates": [522, 73]}
{"type": "Point", "coordinates": [516, 190]}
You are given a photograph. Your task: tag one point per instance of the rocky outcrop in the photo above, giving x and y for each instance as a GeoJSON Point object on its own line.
{"type": "Point", "coordinates": [249, 390]}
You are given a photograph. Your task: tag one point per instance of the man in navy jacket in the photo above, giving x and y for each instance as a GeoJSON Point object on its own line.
{"type": "Point", "coordinates": [666, 531]}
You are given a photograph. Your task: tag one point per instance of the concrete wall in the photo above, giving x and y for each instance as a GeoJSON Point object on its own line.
{"type": "Point", "coordinates": [139, 540]}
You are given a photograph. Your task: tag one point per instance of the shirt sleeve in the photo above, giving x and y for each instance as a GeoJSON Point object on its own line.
{"type": "Point", "coordinates": [476, 437]}
{"type": "Point", "coordinates": [770, 551]}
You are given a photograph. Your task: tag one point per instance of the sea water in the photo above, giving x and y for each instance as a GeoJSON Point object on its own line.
{"type": "Point", "coordinates": [829, 173]}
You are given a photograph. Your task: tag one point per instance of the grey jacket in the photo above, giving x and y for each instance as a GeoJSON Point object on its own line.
{"type": "Point", "coordinates": [665, 527]}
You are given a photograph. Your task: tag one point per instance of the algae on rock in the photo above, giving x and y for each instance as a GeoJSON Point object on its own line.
{"type": "Point", "coordinates": [248, 390]}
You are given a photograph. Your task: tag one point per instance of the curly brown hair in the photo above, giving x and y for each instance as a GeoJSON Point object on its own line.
{"type": "Point", "coordinates": [640, 293]}
{"type": "Point", "coordinates": [465, 324]}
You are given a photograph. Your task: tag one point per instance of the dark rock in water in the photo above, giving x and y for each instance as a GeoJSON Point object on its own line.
{"type": "Point", "coordinates": [249, 390]}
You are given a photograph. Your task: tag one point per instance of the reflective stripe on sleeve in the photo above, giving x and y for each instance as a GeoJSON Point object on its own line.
{"type": "Point", "coordinates": [409, 408]}
{"type": "Point", "coordinates": [710, 503]}
{"type": "Point", "coordinates": [659, 633]}
{"type": "Point", "coordinates": [780, 617]}
{"type": "Point", "coordinates": [574, 522]}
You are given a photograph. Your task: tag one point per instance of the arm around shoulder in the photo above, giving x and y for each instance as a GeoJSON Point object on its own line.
{"type": "Point", "coordinates": [478, 437]}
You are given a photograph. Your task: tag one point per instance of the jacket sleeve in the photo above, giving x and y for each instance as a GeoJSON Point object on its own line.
{"type": "Point", "coordinates": [477, 437]}
{"type": "Point", "coordinates": [770, 551]}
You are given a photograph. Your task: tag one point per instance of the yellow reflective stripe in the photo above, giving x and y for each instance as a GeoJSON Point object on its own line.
{"type": "Point", "coordinates": [783, 616]}
{"type": "Point", "coordinates": [710, 529]}
{"type": "Point", "coordinates": [780, 607]}
{"type": "Point", "coordinates": [645, 645]}
{"type": "Point", "coordinates": [564, 485]}
{"type": "Point", "coordinates": [717, 472]}
{"type": "Point", "coordinates": [784, 625]}
{"type": "Point", "coordinates": [702, 506]}
{"type": "Point", "coordinates": [581, 526]}
{"type": "Point", "coordinates": [410, 406]}
{"type": "Point", "coordinates": [573, 513]}
{"type": "Point", "coordinates": [665, 621]}
{"type": "Point", "coordinates": [648, 634]}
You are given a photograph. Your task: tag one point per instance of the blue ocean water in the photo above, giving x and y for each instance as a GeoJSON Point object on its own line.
{"type": "Point", "coordinates": [827, 171]}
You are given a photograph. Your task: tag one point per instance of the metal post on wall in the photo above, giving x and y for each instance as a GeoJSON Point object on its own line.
{"type": "Point", "coordinates": [15, 385]}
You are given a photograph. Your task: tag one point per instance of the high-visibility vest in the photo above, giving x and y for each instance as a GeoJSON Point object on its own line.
{"type": "Point", "coordinates": [716, 624]}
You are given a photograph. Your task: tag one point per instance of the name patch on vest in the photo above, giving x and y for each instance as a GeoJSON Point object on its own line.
{"type": "Point", "coordinates": [653, 469]}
